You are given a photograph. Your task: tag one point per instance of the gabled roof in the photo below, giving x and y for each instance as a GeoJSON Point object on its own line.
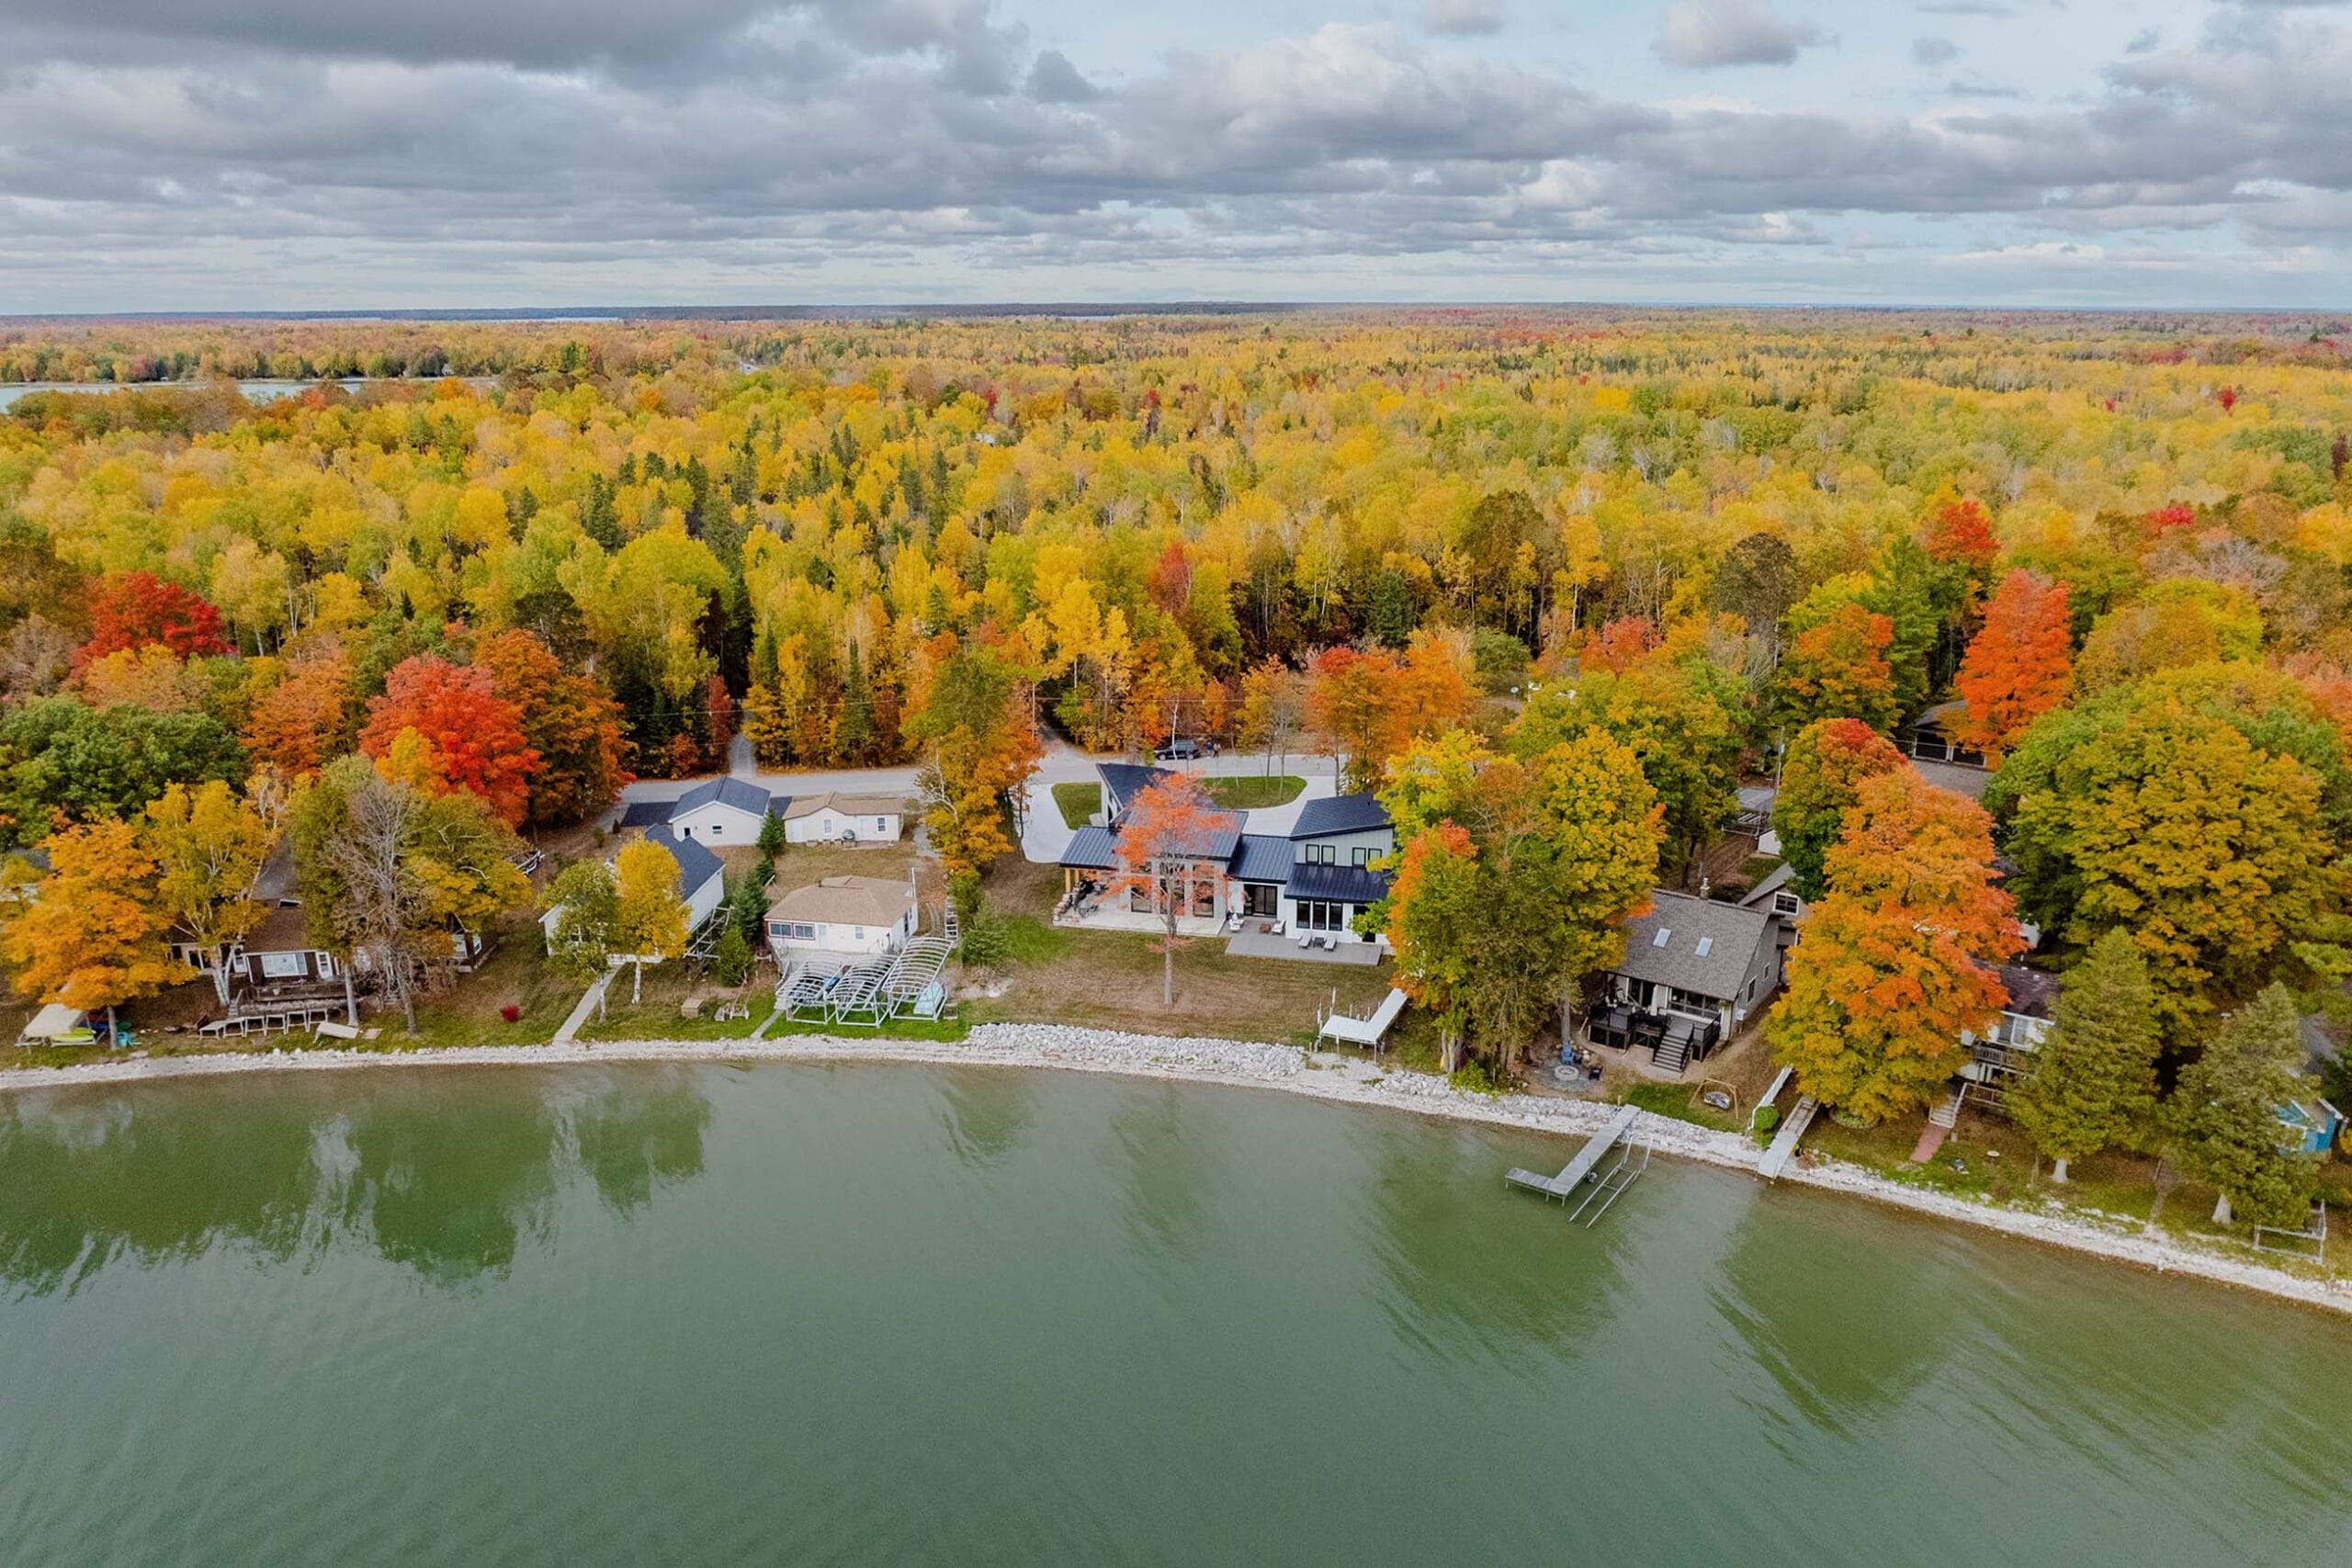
{"type": "Point", "coordinates": [848, 804]}
{"type": "Point", "coordinates": [1092, 849]}
{"type": "Point", "coordinates": [1261, 857]}
{"type": "Point", "coordinates": [740, 794]}
{"type": "Point", "coordinates": [696, 864]}
{"type": "Point", "coordinates": [646, 813]}
{"type": "Point", "coordinates": [1122, 782]}
{"type": "Point", "coordinates": [1772, 882]}
{"type": "Point", "coordinates": [1343, 884]}
{"type": "Point", "coordinates": [2033, 994]}
{"type": "Point", "coordinates": [1339, 814]}
{"type": "Point", "coordinates": [1730, 934]}
{"type": "Point", "coordinates": [846, 901]}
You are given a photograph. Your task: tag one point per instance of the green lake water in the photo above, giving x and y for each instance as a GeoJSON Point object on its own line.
{"type": "Point", "coordinates": [787, 1314]}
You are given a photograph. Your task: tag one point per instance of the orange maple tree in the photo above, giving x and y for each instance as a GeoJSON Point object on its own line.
{"type": "Point", "coordinates": [1960, 532]}
{"type": "Point", "coordinates": [2018, 667]}
{"type": "Point", "coordinates": [306, 720]}
{"type": "Point", "coordinates": [1897, 959]}
{"type": "Point", "coordinates": [1840, 670]}
{"type": "Point", "coordinates": [567, 719]}
{"type": "Point", "coordinates": [474, 737]}
{"type": "Point", "coordinates": [1168, 839]}
{"type": "Point", "coordinates": [95, 936]}
{"type": "Point", "coordinates": [1351, 711]}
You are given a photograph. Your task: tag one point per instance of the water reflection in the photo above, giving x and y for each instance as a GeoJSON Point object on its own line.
{"type": "Point", "coordinates": [1467, 1274]}
{"type": "Point", "coordinates": [643, 1132]}
{"type": "Point", "coordinates": [1846, 1325]}
{"type": "Point", "coordinates": [88, 1180]}
{"type": "Point", "coordinates": [989, 1113]}
{"type": "Point", "coordinates": [448, 1185]}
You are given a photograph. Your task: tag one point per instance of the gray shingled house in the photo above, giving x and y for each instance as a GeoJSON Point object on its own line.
{"type": "Point", "coordinates": [1695, 971]}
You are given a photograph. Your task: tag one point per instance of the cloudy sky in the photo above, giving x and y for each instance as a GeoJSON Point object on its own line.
{"type": "Point", "coordinates": [258, 154]}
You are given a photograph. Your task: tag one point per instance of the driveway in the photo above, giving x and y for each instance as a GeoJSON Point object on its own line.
{"type": "Point", "coordinates": [1046, 836]}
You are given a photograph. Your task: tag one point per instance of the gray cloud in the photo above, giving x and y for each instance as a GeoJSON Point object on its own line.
{"type": "Point", "coordinates": [1934, 50]}
{"type": "Point", "coordinates": [1054, 80]}
{"type": "Point", "coordinates": [1701, 34]}
{"type": "Point", "coordinates": [220, 159]}
{"type": "Point", "coordinates": [1462, 19]}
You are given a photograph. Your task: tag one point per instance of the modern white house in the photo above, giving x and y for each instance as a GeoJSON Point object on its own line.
{"type": "Point", "coordinates": [838, 818]}
{"type": "Point", "coordinates": [846, 917]}
{"type": "Point", "coordinates": [702, 878]}
{"type": "Point", "coordinates": [718, 812]}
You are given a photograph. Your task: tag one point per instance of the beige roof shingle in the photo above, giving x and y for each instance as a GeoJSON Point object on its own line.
{"type": "Point", "coordinates": [846, 901]}
{"type": "Point", "coordinates": [846, 804]}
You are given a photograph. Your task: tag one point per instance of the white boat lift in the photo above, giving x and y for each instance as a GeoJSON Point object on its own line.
{"type": "Point", "coordinates": [1607, 1185]}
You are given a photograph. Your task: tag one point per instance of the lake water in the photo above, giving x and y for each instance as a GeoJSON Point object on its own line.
{"type": "Point", "coordinates": [255, 391]}
{"type": "Point", "coordinates": [900, 1315]}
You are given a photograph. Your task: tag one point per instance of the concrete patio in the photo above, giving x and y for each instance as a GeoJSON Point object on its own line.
{"type": "Point", "coordinates": [1255, 941]}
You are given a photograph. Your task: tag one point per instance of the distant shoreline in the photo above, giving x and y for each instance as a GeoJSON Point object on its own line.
{"type": "Point", "coordinates": [1347, 1081]}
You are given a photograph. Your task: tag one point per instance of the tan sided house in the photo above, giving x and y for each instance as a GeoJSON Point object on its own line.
{"type": "Point", "coordinates": [838, 818]}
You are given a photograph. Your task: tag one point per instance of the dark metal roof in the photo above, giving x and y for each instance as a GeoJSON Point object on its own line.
{"type": "Point", "coordinates": [646, 813]}
{"type": "Point", "coordinates": [1730, 934]}
{"type": "Point", "coordinates": [1344, 884]}
{"type": "Point", "coordinates": [1338, 814]}
{"type": "Point", "coordinates": [1261, 857]}
{"type": "Point", "coordinates": [696, 864]}
{"type": "Point", "coordinates": [740, 794]}
{"type": "Point", "coordinates": [1122, 782]}
{"type": "Point", "coordinates": [1091, 850]}
{"type": "Point", "coordinates": [1216, 841]}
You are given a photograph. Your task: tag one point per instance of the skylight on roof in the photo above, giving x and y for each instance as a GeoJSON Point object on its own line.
{"type": "Point", "coordinates": [1665, 934]}
{"type": "Point", "coordinates": [1707, 945]}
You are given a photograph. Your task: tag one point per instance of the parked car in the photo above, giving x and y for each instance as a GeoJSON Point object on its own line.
{"type": "Point", "coordinates": [1178, 751]}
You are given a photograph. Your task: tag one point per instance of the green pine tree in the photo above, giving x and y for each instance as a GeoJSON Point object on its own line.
{"type": "Point", "coordinates": [2093, 1084]}
{"type": "Point", "coordinates": [730, 965]}
{"type": "Point", "coordinates": [2224, 1117]}
{"type": "Point", "coordinates": [855, 732]}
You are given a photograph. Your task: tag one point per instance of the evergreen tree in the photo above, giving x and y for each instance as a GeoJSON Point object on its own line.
{"type": "Point", "coordinates": [730, 965]}
{"type": "Point", "coordinates": [1392, 609]}
{"type": "Point", "coordinates": [2224, 1117]}
{"type": "Point", "coordinates": [2093, 1083]}
{"type": "Point", "coordinates": [856, 733]}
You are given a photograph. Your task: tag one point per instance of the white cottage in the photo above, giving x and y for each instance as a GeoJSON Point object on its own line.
{"type": "Point", "coordinates": [842, 917]}
{"type": "Point", "coordinates": [719, 812]}
{"type": "Point", "coordinates": [837, 818]}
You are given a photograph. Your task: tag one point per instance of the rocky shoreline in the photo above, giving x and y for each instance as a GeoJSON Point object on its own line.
{"type": "Point", "coordinates": [1343, 1081]}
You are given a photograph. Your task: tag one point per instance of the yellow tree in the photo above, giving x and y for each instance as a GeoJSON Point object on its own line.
{"type": "Point", "coordinates": [208, 846]}
{"type": "Point", "coordinates": [648, 917]}
{"type": "Point", "coordinates": [95, 936]}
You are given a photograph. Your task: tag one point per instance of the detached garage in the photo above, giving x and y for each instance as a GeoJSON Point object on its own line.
{"type": "Point", "coordinates": [722, 811]}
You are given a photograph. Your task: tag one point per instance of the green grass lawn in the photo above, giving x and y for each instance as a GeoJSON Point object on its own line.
{"type": "Point", "coordinates": [517, 974]}
{"type": "Point", "coordinates": [1249, 792]}
{"type": "Point", "coordinates": [1679, 1100]}
{"type": "Point", "coordinates": [1079, 803]}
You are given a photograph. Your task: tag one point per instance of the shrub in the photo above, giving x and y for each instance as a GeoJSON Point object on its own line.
{"type": "Point", "coordinates": [730, 963]}
{"type": "Point", "coordinates": [1767, 1118]}
{"type": "Point", "coordinates": [985, 945]}
{"type": "Point", "coordinates": [511, 1013]}
{"type": "Point", "coordinates": [964, 890]}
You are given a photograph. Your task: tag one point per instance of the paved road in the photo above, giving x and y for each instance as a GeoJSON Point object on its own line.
{"type": "Point", "coordinates": [1046, 837]}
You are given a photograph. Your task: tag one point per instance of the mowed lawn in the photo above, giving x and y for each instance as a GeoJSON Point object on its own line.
{"type": "Point", "coordinates": [1112, 980]}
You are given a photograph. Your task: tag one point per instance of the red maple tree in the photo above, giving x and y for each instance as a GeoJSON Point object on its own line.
{"type": "Point", "coordinates": [2020, 666]}
{"type": "Point", "coordinates": [475, 737]}
{"type": "Point", "coordinates": [137, 609]}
